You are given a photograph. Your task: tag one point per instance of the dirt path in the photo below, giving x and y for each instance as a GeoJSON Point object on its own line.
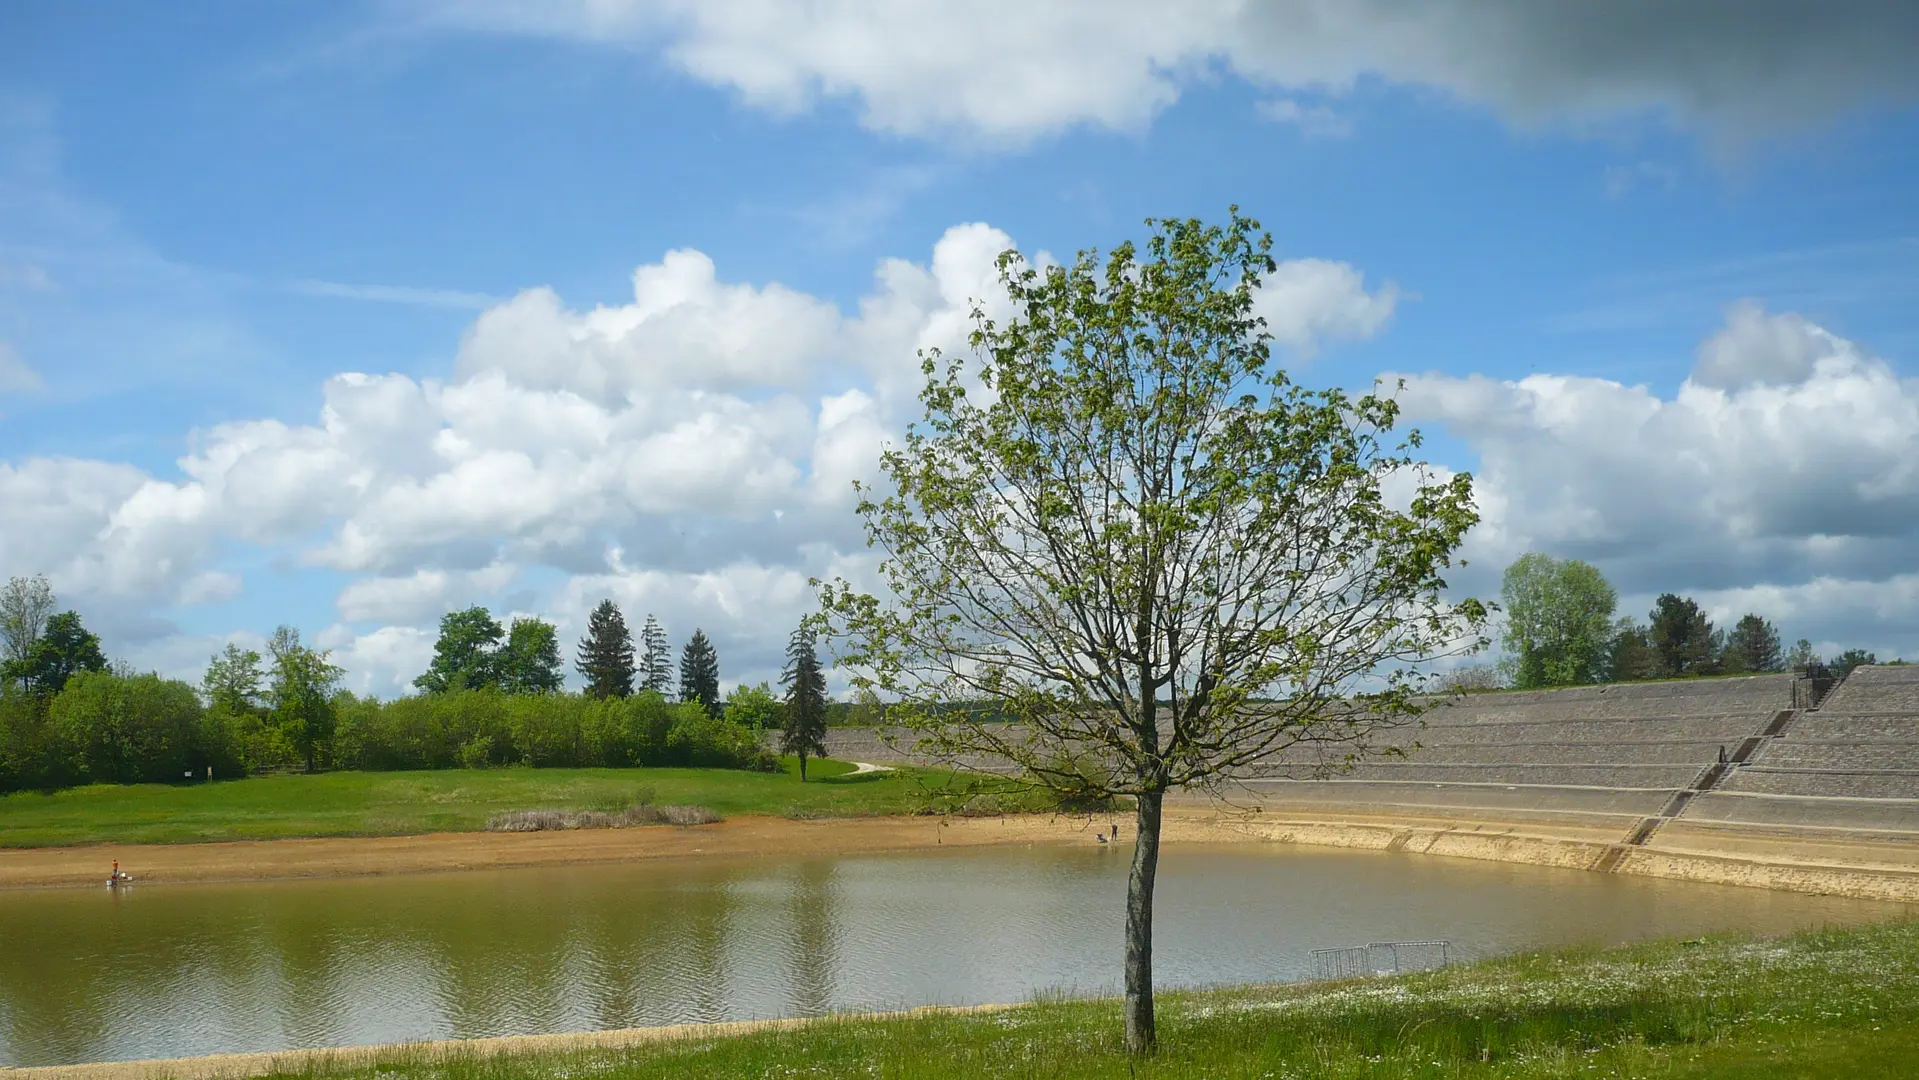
{"type": "Point", "coordinates": [253, 860]}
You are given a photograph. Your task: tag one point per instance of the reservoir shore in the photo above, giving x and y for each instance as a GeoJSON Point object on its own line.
{"type": "Point", "coordinates": [1887, 869]}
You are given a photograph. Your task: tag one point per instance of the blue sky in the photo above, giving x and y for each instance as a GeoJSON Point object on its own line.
{"type": "Point", "coordinates": [1547, 215]}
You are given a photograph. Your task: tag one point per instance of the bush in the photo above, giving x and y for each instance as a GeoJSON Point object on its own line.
{"type": "Point", "coordinates": [128, 730]}
{"type": "Point", "coordinates": [480, 728]}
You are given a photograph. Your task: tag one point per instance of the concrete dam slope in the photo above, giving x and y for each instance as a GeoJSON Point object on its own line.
{"type": "Point", "coordinates": [1748, 781]}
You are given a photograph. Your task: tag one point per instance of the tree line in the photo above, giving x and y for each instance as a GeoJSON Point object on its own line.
{"type": "Point", "coordinates": [492, 696]}
{"type": "Point", "coordinates": [1562, 629]}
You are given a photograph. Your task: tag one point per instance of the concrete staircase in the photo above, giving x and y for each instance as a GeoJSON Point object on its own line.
{"type": "Point", "coordinates": [1709, 778]}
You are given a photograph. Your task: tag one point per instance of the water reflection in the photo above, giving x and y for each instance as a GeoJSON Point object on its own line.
{"type": "Point", "coordinates": [163, 971]}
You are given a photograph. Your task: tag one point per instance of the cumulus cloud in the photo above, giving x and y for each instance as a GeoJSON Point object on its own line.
{"type": "Point", "coordinates": [1009, 70]}
{"type": "Point", "coordinates": [1309, 301]}
{"type": "Point", "coordinates": [691, 452]}
{"type": "Point", "coordinates": [1786, 468]}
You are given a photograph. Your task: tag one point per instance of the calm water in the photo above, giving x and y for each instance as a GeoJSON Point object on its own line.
{"type": "Point", "coordinates": [175, 970]}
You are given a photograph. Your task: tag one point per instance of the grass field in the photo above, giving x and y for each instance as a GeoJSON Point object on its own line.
{"type": "Point", "coordinates": [1833, 1003]}
{"type": "Point", "coordinates": [457, 800]}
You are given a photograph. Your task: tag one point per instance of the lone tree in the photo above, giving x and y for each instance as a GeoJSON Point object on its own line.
{"type": "Point", "coordinates": [656, 658]}
{"type": "Point", "coordinates": [700, 673]}
{"type": "Point", "coordinates": [1559, 621]}
{"type": "Point", "coordinates": [606, 653]}
{"type": "Point", "coordinates": [805, 732]}
{"type": "Point", "coordinates": [1149, 547]}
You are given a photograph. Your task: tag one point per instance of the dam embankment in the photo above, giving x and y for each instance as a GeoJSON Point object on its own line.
{"type": "Point", "coordinates": [1741, 781]}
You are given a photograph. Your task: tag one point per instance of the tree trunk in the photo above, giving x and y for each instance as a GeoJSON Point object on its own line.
{"type": "Point", "coordinates": [1140, 1035]}
{"type": "Point", "coordinates": [802, 768]}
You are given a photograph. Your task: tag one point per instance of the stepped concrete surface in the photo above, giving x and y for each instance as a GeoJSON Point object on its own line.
{"type": "Point", "coordinates": [1713, 779]}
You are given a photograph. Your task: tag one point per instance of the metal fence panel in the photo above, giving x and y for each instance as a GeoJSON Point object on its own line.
{"type": "Point", "coordinates": [1380, 958]}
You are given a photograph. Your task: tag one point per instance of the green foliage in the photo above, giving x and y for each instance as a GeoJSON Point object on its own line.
{"type": "Point", "coordinates": [64, 649]}
{"type": "Point", "coordinates": [1843, 664]}
{"type": "Point", "coordinates": [1801, 656]}
{"type": "Point", "coordinates": [805, 731]}
{"type": "Point", "coordinates": [1559, 621]}
{"type": "Point", "coordinates": [1144, 508]}
{"type": "Point", "coordinates": [233, 680]}
{"type": "Point", "coordinates": [487, 728]}
{"type": "Point", "coordinates": [700, 673]}
{"type": "Point", "coordinates": [1753, 645]}
{"type": "Point", "coordinates": [464, 654]}
{"type": "Point", "coordinates": [529, 662]}
{"type": "Point", "coordinates": [1682, 638]}
{"type": "Point", "coordinates": [605, 656]}
{"type": "Point", "coordinates": [300, 696]}
{"type": "Point", "coordinates": [117, 730]}
{"type": "Point", "coordinates": [755, 708]}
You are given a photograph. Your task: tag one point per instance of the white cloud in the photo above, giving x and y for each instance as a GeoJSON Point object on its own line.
{"type": "Point", "coordinates": [421, 596]}
{"type": "Point", "coordinates": [1306, 302]}
{"type": "Point", "coordinates": [706, 433]}
{"type": "Point", "coordinates": [1315, 121]}
{"type": "Point", "coordinates": [1008, 71]}
{"type": "Point", "coordinates": [394, 294]}
{"type": "Point", "coordinates": [1755, 348]}
{"type": "Point", "coordinates": [1789, 461]}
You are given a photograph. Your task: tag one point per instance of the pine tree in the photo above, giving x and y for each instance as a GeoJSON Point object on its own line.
{"type": "Point", "coordinates": [1753, 645]}
{"type": "Point", "coordinates": [606, 653]}
{"type": "Point", "coordinates": [700, 673]}
{"type": "Point", "coordinates": [805, 732]}
{"type": "Point", "coordinates": [656, 660]}
{"type": "Point", "coordinates": [1682, 637]}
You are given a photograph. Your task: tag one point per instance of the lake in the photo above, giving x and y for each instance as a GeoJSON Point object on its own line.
{"type": "Point", "coordinates": [163, 971]}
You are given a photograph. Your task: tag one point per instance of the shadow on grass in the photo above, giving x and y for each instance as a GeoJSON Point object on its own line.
{"type": "Point", "coordinates": [850, 778]}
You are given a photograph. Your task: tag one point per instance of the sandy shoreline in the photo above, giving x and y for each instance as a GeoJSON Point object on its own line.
{"type": "Point", "coordinates": [363, 856]}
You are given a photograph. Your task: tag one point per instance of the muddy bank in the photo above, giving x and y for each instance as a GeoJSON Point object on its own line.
{"type": "Point", "coordinates": [345, 856]}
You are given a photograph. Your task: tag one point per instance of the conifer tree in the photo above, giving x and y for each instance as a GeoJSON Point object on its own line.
{"type": "Point", "coordinates": [606, 653]}
{"type": "Point", "coordinates": [1753, 645]}
{"type": "Point", "coordinates": [656, 659]}
{"type": "Point", "coordinates": [805, 733]}
{"type": "Point", "coordinates": [700, 673]}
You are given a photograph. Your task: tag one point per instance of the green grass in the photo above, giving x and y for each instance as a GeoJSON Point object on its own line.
{"type": "Point", "coordinates": [457, 800]}
{"type": "Point", "coordinates": [1830, 1003]}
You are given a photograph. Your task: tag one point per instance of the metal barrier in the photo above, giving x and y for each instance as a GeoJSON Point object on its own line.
{"type": "Point", "coordinates": [1380, 958]}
